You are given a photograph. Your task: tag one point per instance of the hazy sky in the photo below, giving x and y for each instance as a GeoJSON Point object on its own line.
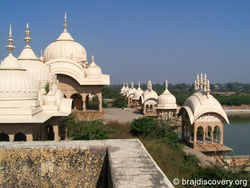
{"type": "Point", "coordinates": [142, 39]}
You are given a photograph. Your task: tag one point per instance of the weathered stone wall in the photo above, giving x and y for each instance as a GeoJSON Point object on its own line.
{"type": "Point", "coordinates": [52, 167]}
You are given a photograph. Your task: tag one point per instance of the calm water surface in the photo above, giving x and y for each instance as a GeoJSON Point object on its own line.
{"type": "Point", "coordinates": [237, 135]}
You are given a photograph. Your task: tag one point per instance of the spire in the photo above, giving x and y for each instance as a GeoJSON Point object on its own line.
{"type": "Point", "coordinates": [166, 84]}
{"type": "Point", "coordinates": [27, 39]}
{"type": "Point", "coordinates": [205, 82]}
{"type": "Point", "coordinates": [201, 82]}
{"type": "Point", "coordinates": [92, 59]}
{"type": "Point", "coordinates": [139, 85]}
{"type": "Point", "coordinates": [208, 87]}
{"type": "Point", "coordinates": [41, 52]}
{"type": "Point", "coordinates": [132, 85]}
{"type": "Point", "coordinates": [198, 82]}
{"type": "Point", "coordinates": [65, 22]}
{"type": "Point", "coordinates": [10, 46]}
{"type": "Point", "coordinates": [149, 85]}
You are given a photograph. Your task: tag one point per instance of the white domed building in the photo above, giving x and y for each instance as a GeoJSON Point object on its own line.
{"type": "Point", "coordinates": [22, 114]}
{"type": "Point", "coordinates": [136, 97]}
{"type": "Point", "coordinates": [122, 91]}
{"type": "Point", "coordinates": [202, 120]}
{"type": "Point", "coordinates": [148, 101]}
{"type": "Point", "coordinates": [130, 94]}
{"type": "Point", "coordinates": [166, 105]}
{"type": "Point", "coordinates": [77, 79]}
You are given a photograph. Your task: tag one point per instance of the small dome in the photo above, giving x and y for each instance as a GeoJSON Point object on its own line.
{"type": "Point", "coordinates": [138, 92]}
{"type": "Point", "coordinates": [31, 63]}
{"type": "Point", "coordinates": [131, 90]}
{"type": "Point", "coordinates": [166, 100]}
{"type": "Point", "coordinates": [93, 71]}
{"type": "Point", "coordinates": [149, 93]}
{"type": "Point", "coordinates": [65, 47]}
{"type": "Point", "coordinates": [122, 91]}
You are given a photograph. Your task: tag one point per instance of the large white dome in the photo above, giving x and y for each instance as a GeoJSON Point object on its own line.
{"type": "Point", "coordinates": [138, 92]}
{"type": "Point", "coordinates": [16, 82]}
{"type": "Point", "coordinates": [65, 47]}
{"type": "Point", "coordinates": [149, 93]}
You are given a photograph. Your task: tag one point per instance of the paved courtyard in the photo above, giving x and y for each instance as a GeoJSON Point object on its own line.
{"type": "Point", "coordinates": [118, 114]}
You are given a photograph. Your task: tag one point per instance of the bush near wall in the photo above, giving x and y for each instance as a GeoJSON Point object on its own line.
{"type": "Point", "coordinates": [86, 130]}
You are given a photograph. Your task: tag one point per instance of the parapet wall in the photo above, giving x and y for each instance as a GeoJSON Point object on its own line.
{"type": "Point", "coordinates": [105, 163]}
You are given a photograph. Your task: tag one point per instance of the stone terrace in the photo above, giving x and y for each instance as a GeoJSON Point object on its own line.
{"type": "Point", "coordinates": [128, 164]}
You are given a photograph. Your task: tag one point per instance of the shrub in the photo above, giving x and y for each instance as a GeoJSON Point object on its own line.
{"type": "Point", "coordinates": [143, 126]}
{"type": "Point", "coordinates": [120, 102]}
{"type": "Point", "coordinates": [86, 130]}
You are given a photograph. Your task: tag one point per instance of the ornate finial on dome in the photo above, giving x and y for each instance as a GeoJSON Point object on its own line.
{"type": "Point", "coordinates": [149, 85]}
{"type": "Point", "coordinates": [27, 39]}
{"type": "Point", "coordinates": [65, 22]}
{"type": "Point", "coordinates": [127, 84]}
{"type": "Point", "coordinates": [10, 46]}
{"type": "Point", "coordinates": [166, 84]}
{"type": "Point", "coordinates": [201, 82]}
{"type": "Point", "coordinates": [92, 59]}
{"type": "Point", "coordinates": [205, 82]}
{"type": "Point", "coordinates": [132, 84]}
{"type": "Point", "coordinates": [198, 82]}
{"type": "Point", "coordinates": [139, 84]}
{"type": "Point", "coordinates": [41, 52]}
{"type": "Point", "coordinates": [208, 87]}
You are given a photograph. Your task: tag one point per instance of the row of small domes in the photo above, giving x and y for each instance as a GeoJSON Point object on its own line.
{"type": "Point", "coordinates": [166, 99]}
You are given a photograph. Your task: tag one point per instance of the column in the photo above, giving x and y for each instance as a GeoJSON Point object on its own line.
{"type": "Point", "coordinates": [56, 133]}
{"type": "Point", "coordinates": [204, 134]}
{"type": "Point", "coordinates": [212, 135]}
{"type": "Point", "coordinates": [29, 137]}
{"type": "Point", "coordinates": [195, 134]}
{"type": "Point", "coordinates": [99, 95]}
{"type": "Point", "coordinates": [190, 133]}
{"type": "Point", "coordinates": [84, 95]}
{"type": "Point", "coordinates": [11, 137]}
{"type": "Point", "coordinates": [221, 134]}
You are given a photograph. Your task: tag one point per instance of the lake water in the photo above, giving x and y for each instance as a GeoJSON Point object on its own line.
{"type": "Point", "coordinates": [237, 135]}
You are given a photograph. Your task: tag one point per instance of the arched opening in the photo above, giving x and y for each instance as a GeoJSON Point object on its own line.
{"type": "Point", "coordinates": [200, 135]}
{"type": "Point", "coordinates": [4, 137]}
{"type": "Point", "coordinates": [92, 102]}
{"type": "Point", "coordinates": [151, 108]}
{"type": "Point", "coordinates": [20, 137]}
{"type": "Point", "coordinates": [216, 134]}
{"type": "Point", "coordinates": [77, 102]}
{"type": "Point", "coordinates": [51, 134]}
{"type": "Point", "coordinates": [147, 108]}
{"type": "Point", "coordinates": [209, 134]}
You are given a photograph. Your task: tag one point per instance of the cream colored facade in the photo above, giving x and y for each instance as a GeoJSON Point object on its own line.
{"type": "Point", "coordinates": [77, 79]}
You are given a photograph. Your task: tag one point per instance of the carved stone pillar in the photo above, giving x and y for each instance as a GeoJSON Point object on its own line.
{"type": "Point", "coordinates": [221, 134]}
{"type": "Point", "coordinates": [11, 137]}
{"type": "Point", "coordinates": [29, 137]}
{"type": "Point", "coordinates": [56, 133]}
{"type": "Point", "coordinates": [99, 95]}
{"type": "Point", "coordinates": [84, 95]}
{"type": "Point", "coordinates": [212, 135]}
{"type": "Point", "coordinates": [204, 134]}
{"type": "Point", "coordinates": [195, 134]}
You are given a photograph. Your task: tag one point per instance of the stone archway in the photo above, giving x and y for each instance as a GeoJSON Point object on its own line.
{"type": "Point", "coordinates": [77, 102]}
{"type": "Point", "coordinates": [92, 102]}
{"type": "Point", "coordinates": [20, 137]}
{"type": "Point", "coordinates": [4, 137]}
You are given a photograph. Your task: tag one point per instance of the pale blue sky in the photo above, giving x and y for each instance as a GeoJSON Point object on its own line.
{"type": "Point", "coordinates": [142, 39]}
